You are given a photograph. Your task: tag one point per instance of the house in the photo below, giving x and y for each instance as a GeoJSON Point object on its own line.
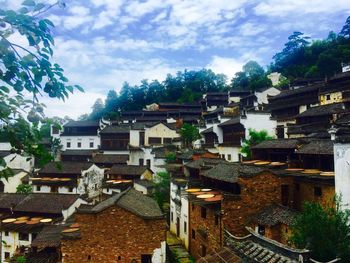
{"type": "Point", "coordinates": [79, 135]}
{"type": "Point", "coordinates": [15, 160]}
{"type": "Point", "coordinates": [69, 177]}
{"type": "Point", "coordinates": [24, 216]}
{"type": "Point", "coordinates": [127, 227]}
{"type": "Point", "coordinates": [160, 134]}
{"type": "Point", "coordinates": [77, 155]}
{"type": "Point", "coordinates": [108, 160]}
{"type": "Point", "coordinates": [144, 186]}
{"type": "Point", "coordinates": [115, 139]}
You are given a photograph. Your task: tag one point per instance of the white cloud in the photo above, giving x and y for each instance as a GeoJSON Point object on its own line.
{"type": "Point", "coordinates": [251, 29]}
{"type": "Point", "coordinates": [225, 65]}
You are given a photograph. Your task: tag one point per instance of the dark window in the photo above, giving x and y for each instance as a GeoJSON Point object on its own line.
{"type": "Point", "coordinates": [285, 194]}
{"type": "Point", "coordinates": [203, 251]}
{"type": "Point", "coordinates": [166, 140]}
{"type": "Point", "coordinates": [79, 144]}
{"type": "Point", "coordinates": [216, 220]}
{"type": "Point", "coordinates": [148, 163]}
{"type": "Point", "coordinates": [328, 97]}
{"type": "Point", "coordinates": [193, 234]}
{"type": "Point", "coordinates": [229, 157]}
{"type": "Point", "coordinates": [317, 191]}
{"type": "Point", "coordinates": [91, 144]}
{"type": "Point", "coordinates": [192, 207]}
{"type": "Point", "coordinates": [280, 131]}
{"type": "Point", "coordinates": [23, 236]}
{"type": "Point", "coordinates": [38, 188]}
{"type": "Point", "coordinates": [119, 257]}
{"type": "Point", "coordinates": [154, 140]}
{"type": "Point", "coordinates": [68, 144]}
{"type": "Point", "coordinates": [6, 233]}
{"type": "Point", "coordinates": [185, 227]}
{"type": "Point", "coordinates": [89, 257]}
{"type": "Point", "coordinates": [70, 189]}
{"type": "Point", "coordinates": [172, 216]}
{"type": "Point", "coordinates": [261, 230]}
{"type": "Point", "coordinates": [142, 138]}
{"type": "Point", "coordinates": [203, 212]}
{"type": "Point", "coordinates": [141, 162]}
{"type": "Point", "coordinates": [146, 258]}
{"type": "Point", "coordinates": [55, 130]}
{"type": "Point", "coordinates": [7, 255]}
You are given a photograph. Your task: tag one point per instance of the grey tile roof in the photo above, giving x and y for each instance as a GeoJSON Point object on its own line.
{"type": "Point", "coordinates": [82, 124]}
{"type": "Point", "coordinates": [77, 152]}
{"type": "Point", "coordinates": [317, 147]}
{"type": "Point", "coordinates": [110, 158]}
{"type": "Point", "coordinates": [277, 144]}
{"type": "Point", "coordinates": [127, 169]}
{"type": "Point", "coordinates": [49, 236]}
{"type": "Point", "coordinates": [232, 121]}
{"type": "Point", "coordinates": [202, 162]}
{"type": "Point", "coordinates": [322, 110]}
{"type": "Point", "coordinates": [209, 130]}
{"type": "Point", "coordinates": [65, 168]}
{"type": "Point", "coordinates": [133, 201]}
{"type": "Point", "coordinates": [275, 214]}
{"type": "Point", "coordinates": [115, 129]}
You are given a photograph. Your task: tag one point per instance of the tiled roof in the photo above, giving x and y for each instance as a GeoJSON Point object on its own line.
{"type": "Point", "coordinates": [110, 158]}
{"type": "Point", "coordinates": [202, 162]}
{"type": "Point", "coordinates": [277, 144]}
{"type": "Point", "coordinates": [77, 152]}
{"type": "Point", "coordinates": [232, 121]}
{"type": "Point", "coordinates": [65, 167]}
{"type": "Point", "coordinates": [47, 203]}
{"type": "Point", "coordinates": [317, 147]}
{"type": "Point", "coordinates": [133, 201]}
{"type": "Point", "coordinates": [127, 169]}
{"type": "Point", "coordinates": [82, 124]}
{"type": "Point", "coordinates": [293, 92]}
{"type": "Point", "coordinates": [209, 130]}
{"type": "Point", "coordinates": [49, 236]}
{"type": "Point", "coordinates": [115, 129]}
{"type": "Point", "coordinates": [224, 255]}
{"type": "Point", "coordinates": [322, 110]}
{"type": "Point", "coordinates": [145, 183]}
{"type": "Point", "coordinates": [275, 214]}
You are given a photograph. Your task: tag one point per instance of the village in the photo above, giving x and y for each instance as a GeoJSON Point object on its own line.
{"type": "Point", "coordinates": [95, 202]}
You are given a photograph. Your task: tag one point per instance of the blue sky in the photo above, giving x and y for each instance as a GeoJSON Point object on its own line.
{"type": "Point", "coordinates": [102, 43]}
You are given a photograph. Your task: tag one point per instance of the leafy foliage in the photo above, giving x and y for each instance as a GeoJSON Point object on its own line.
{"type": "Point", "coordinates": [255, 137]}
{"type": "Point", "coordinates": [28, 69]}
{"type": "Point", "coordinates": [24, 189]}
{"type": "Point", "coordinates": [170, 157]}
{"type": "Point", "coordinates": [252, 77]}
{"type": "Point", "coordinates": [189, 134]}
{"type": "Point", "coordinates": [162, 189]}
{"type": "Point", "coordinates": [323, 230]}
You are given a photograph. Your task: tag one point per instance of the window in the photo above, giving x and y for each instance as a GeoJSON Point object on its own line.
{"type": "Point", "coordinates": [6, 234]}
{"type": "Point", "coordinates": [172, 216]}
{"type": "Point", "coordinates": [23, 236]}
{"type": "Point", "coordinates": [89, 257]}
{"type": "Point", "coordinates": [91, 144]}
{"type": "Point", "coordinates": [185, 227]}
{"type": "Point", "coordinates": [328, 96]}
{"type": "Point", "coordinates": [203, 212]}
{"type": "Point", "coordinates": [140, 161]}
{"type": "Point", "coordinates": [38, 188]}
{"type": "Point", "coordinates": [317, 191]}
{"type": "Point", "coordinates": [193, 234]}
{"type": "Point", "coordinates": [154, 140]}
{"type": "Point", "coordinates": [148, 163]}
{"type": "Point", "coordinates": [79, 145]}
{"type": "Point", "coordinates": [166, 140]}
{"type": "Point", "coordinates": [7, 255]}
{"type": "Point", "coordinates": [68, 144]}
{"type": "Point", "coordinates": [261, 230]}
{"type": "Point", "coordinates": [203, 251]}
{"type": "Point", "coordinates": [216, 220]}
{"type": "Point", "coordinates": [229, 157]}
{"type": "Point", "coordinates": [146, 258]}
{"type": "Point", "coordinates": [70, 189]}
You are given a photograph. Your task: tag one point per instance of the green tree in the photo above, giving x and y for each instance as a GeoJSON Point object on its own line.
{"type": "Point", "coordinates": [189, 134]}
{"type": "Point", "coordinates": [24, 189]}
{"type": "Point", "coordinates": [255, 137]}
{"type": "Point", "coordinates": [325, 230]}
{"type": "Point", "coordinates": [97, 110]}
{"type": "Point", "coordinates": [28, 71]}
{"type": "Point", "coordinates": [170, 157]}
{"type": "Point", "coordinates": [345, 32]}
{"type": "Point", "coordinates": [162, 189]}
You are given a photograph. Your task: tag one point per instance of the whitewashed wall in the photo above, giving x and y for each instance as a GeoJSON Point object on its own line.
{"type": "Point", "coordinates": [342, 172]}
{"type": "Point", "coordinates": [90, 182]}
{"type": "Point", "coordinates": [259, 121]}
{"type": "Point", "coordinates": [85, 142]}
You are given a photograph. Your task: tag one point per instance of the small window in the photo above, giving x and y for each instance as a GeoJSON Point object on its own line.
{"type": "Point", "coordinates": [68, 144]}
{"type": "Point", "coordinates": [185, 227]}
{"type": "Point", "coordinates": [6, 234]}
{"type": "Point", "coordinates": [193, 234]}
{"type": "Point", "coordinates": [79, 145]}
{"type": "Point", "coordinates": [203, 212]}
{"type": "Point", "coordinates": [328, 96]}
{"type": "Point", "coordinates": [216, 220]}
{"type": "Point", "coordinates": [7, 255]}
{"type": "Point", "coordinates": [141, 161]}
{"type": "Point", "coordinates": [70, 189]}
{"type": "Point", "coordinates": [229, 157]}
{"type": "Point", "coordinates": [148, 163]}
{"type": "Point", "coordinates": [38, 188]}
{"type": "Point", "coordinates": [261, 230]}
{"type": "Point", "coordinates": [317, 191]}
{"type": "Point", "coordinates": [91, 144]}
{"type": "Point", "coordinates": [172, 216]}
{"type": "Point", "coordinates": [23, 236]}
{"type": "Point", "coordinates": [167, 140]}
{"type": "Point", "coordinates": [89, 257]}
{"type": "Point", "coordinates": [203, 251]}
{"type": "Point", "coordinates": [192, 207]}
{"type": "Point", "coordinates": [55, 130]}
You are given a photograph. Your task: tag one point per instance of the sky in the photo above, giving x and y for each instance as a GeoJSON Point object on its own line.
{"type": "Point", "coordinates": [103, 43]}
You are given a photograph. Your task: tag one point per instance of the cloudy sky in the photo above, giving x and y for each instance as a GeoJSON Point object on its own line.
{"type": "Point", "coordinates": [102, 43]}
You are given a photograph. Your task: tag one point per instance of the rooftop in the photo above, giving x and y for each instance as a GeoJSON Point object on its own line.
{"type": "Point", "coordinates": [65, 167]}
{"type": "Point", "coordinates": [275, 214]}
{"type": "Point", "coordinates": [115, 129]}
{"type": "Point", "coordinates": [317, 147]}
{"type": "Point", "coordinates": [110, 158]}
{"type": "Point", "coordinates": [323, 110]}
{"type": "Point", "coordinates": [82, 124]}
{"type": "Point", "coordinates": [277, 144]}
{"type": "Point", "coordinates": [127, 169]}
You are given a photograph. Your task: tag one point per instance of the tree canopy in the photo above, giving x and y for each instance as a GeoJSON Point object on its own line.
{"type": "Point", "coordinates": [189, 134]}
{"type": "Point", "coordinates": [255, 137]}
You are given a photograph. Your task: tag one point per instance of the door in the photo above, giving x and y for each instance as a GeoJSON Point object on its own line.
{"type": "Point", "coordinates": [178, 226]}
{"type": "Point", "coordinates": [285, 195]}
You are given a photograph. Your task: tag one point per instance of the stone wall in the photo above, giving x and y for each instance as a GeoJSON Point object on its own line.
{"type": "Point", "coordinates": [114, 235]}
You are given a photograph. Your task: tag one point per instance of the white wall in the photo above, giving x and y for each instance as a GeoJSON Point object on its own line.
{"type": "Point", "coordinates": [226, 150]}
{"type": "Point", "coordinates": [146, 153]}
{"type": "Point", "coordinates": [16, 161]}
{"type": "Point", "coordinates": [71, 210]}
{"type": "Point", "coordinates": [159, 131]}
{"type": "Point", "coordinates": [134, 137]}
{"type": "Point", "coordinates": [262, 96]}
{"type": "Point", "coordinates": [11, 242]}
{"type": "Point", "coordinates": [342, 172]}
{"type": "Point", "coordinates": [85, 142]}
{"type": "Point", "coordinates": [10, 185]}
{"type": "Point", "coordinates": [159, 254]}
{"type": "Point", "coordinates": [259, 121]}
{"type": "Point", "coordinates": [90, 182]}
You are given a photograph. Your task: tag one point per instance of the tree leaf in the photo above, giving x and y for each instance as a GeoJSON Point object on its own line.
{"type": "Point", "coordinates": [28, 3]}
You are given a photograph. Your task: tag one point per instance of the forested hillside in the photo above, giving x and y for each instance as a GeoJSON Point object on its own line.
{"type": "Point", "coordinates": [301, 57]}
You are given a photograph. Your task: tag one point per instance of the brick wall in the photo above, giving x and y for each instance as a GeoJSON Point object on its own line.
{"type": "Point", "coordinates": [257, 192]}
{"type": "Point", "coordinates": [113, 235]}
{"type": "Point", "coordinates": [213, 238]}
